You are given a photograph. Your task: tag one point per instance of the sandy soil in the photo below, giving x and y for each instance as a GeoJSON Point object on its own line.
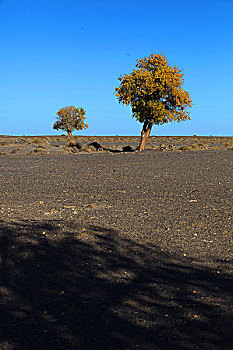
{"type": "Point", "coordinates": [117, 250]}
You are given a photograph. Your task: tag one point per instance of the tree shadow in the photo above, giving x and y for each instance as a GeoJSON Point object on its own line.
{"type": "Point", "coordinates": [96, 289]}
{"type": "Point", "coordinates": [99, 147]}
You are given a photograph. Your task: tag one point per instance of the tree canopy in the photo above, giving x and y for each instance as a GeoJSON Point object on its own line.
{"type": "Point", "coordinates": [154, 91]}
{"type": "Point", "coordinates": [69, 119]}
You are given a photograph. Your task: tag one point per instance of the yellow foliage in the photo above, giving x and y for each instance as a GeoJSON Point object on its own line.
{"type": "Point", "coordinates": [154, 91]}
{"type": "Point", "coordinates": [70, 118]}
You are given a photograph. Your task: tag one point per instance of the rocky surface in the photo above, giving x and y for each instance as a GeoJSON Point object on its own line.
{"type": "Point", "coordinates": [116, 251]}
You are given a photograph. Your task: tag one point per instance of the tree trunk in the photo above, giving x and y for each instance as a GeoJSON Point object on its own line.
{"type": "Point", "coordinates": [70, 136]}
{"type": "Point", "coordinates": [147, 126]}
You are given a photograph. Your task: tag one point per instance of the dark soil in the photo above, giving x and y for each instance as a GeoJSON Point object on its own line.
{"type": "Point", "coordinates": [113, 251]}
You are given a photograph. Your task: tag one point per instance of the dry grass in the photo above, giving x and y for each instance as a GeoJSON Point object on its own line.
{"type": "Point", "coordinates": [20, 145]}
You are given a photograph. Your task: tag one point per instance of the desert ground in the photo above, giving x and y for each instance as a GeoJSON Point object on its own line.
{"type": "Point", "coordinates": [105, 248]}
{"type": "Point", "coordinates": [27, 145]}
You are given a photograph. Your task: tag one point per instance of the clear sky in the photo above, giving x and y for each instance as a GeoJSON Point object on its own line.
{"type": "Point", "coordinates": [55, 53]}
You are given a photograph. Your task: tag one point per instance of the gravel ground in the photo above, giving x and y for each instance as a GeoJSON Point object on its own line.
{"type": "Point", "coordinates": [116, 251]}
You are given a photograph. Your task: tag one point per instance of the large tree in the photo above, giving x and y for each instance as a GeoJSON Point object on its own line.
{"type": "Point", "coordinates": [154, 91]}
{"type": "Point", "coordinates": [69, 119]}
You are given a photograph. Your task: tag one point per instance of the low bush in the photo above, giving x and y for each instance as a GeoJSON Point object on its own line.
{"type": "Point", "coordinates": [184, 148]}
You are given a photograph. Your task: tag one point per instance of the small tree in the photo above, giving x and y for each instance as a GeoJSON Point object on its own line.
{"type": "Point", "coordinates": [154, 91]}
{"type": "Point", "coordinates": [69, 119]}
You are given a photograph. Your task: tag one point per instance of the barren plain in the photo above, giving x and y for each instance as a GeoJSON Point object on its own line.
{"type": "Point", "coordinates": [27, 145]}
{"type": "Point", "coordinates": [104, 248]}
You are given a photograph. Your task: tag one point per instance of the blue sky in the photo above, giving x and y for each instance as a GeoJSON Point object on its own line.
{"type": "Point", "coordinates": [59, 53]}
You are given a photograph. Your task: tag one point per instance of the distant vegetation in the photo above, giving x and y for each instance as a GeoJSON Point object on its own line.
{"type": "Point", "coordinates": [69, 119]}
{"type": "Point", "coordinates": [42, 145]}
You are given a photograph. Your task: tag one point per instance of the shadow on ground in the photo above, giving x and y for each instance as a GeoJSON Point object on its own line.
{"type": "Point", "coordinates": [99, 147]}
{"type": "Point", "coordinates": [95, 289]}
